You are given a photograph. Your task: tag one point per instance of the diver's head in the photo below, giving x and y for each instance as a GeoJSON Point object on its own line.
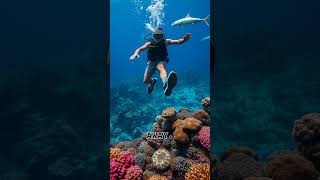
{"type": "Point", "coordinates": [158, 34]}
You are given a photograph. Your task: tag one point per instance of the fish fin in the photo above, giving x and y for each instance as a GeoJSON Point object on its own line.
{"type": "Point", "coordinates": [206, 19]}
{"type": "Point", "coordinates": [188, 15]}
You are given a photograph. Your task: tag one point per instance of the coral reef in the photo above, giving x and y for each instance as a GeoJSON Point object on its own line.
{"type": "Point", "coordinates": [133, 173]}
{"type": "Point", "coordinates": [169, 158]}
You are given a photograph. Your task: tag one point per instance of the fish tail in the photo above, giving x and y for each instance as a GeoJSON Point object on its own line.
{"type": "Point", "coordinates": [206, 20]}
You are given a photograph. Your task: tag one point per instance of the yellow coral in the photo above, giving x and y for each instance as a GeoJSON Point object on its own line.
{"type": "Point", "coordinates": [114, 153]}
{"type": "Point", "coordinates": [199, 171]}
{"type": "Point", "coordinates": [157, 177]}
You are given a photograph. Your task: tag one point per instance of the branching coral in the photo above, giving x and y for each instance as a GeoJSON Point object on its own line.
{"type": "Point", "coordinates": [133, 173]}
{"type": "Point", "coordinates": [199, 171]}
{"type": "Point", "coordinates": [161, 159]}
{"type": "Point", "coordinates": [204, 137]}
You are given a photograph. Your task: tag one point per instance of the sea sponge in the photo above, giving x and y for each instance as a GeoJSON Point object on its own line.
{"type": "Point", "coordinates": [114, 153]}
{"type": "Point", "coordinates": [158, 177]}
{"type": "Point", "coordinates": [140, 160]}
{"type": "Point", "coordinates": [198, 172]}
{"type": "Point", "coordinates": [290, 166]}
{"type": "Point", "coordinates": [169, 113]}
{"type": "Point", "coordinates": [133, 173]}
{"type": "Point", "coordinates": [306, 130]}
{"type": "Point", "coordinates": [204, 137]}
{"type": "Point", "coordinates": [202, 116]}
{"type": "Point", "coordinates": [205, 103]}
{"type": "Point", "coordinates": [239, 166]}
{"type": "Point", "coordinates": [161, 159]}
{"type": "Point", "coordinates": [184, 113]}
{"type": "Point", "coordinates": [181, 164]}
{"type": "Point", "coordinates": [238, 149]}
{"type": "Point", "coordinates": [126, 158]}
{"type": "Point", "coordinates": [182, 127]}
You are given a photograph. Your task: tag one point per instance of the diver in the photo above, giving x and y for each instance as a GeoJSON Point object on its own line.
{"type": "Point", "coordinates": [157, 60]}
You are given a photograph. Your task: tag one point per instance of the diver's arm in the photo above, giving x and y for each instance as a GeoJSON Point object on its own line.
{"type": "Point", "coordinates": [185, 38]}
{"type": "Point", "coordinates": [139, 50]}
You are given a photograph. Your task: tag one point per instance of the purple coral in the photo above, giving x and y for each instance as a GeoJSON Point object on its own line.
{"type": "Point", "coordinates": [204, 137]}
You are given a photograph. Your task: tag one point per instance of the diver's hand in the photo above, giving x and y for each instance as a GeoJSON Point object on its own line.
{"type": "Point", "coordinates": [186, 37]}
{"type": "Point", "coordinates": [134, 56]}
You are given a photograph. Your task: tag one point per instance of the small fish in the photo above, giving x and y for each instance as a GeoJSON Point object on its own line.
{"type": "Point", "coordinates": [205, 38]}
{"type": "Point", "coordinates": [190, 20]}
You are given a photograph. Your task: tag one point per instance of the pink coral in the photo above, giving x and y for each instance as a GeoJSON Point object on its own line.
{"type": "Point", "coordinates": [117, 170]}
{"type": "Point", "coordinates": [120, 165]}
{"type": "Point", "coordinates": [134, 173]}
{"type": "Point", "coordinates": [204, 137]}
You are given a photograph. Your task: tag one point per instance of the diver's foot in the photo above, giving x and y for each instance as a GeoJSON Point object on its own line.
{"type": "Point", "coordinates": [150, 86]}
{"type": "Point", "coordinates": [170, 83]}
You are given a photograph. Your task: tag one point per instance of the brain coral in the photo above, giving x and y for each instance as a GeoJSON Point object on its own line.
{"type": "Point", "coordinates": [306, 130]}
{"type": "Point", "coordinates": [114, 153]}
{"type": "Point", "coordinates": [199, 171]}
{"type": "Point", "coordinates": [290, 166]}
{"type": "Point", "coordinates": [181, 164]}
{"type": "Point", "coordinates": [205, 103]}
{"type": "Point", "coordinates": [184, 113]}
{"type": "Point", "coordinates": [161, 159]}
{"type": "Point", "coordinates": [202, 116]}
{"type": "Point", "coordinates": [140, 160]}
{"type": "Point", "coordinates": [204, 137]}
{"type": "Point", "coordinates": [133, 173]}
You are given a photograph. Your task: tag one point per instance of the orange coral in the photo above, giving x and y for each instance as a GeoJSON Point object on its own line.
{"type": "Point", "coordinates": [169, 113]}
{"type": "Point", "coordinates": [114, 153]}
{"type": "Point", "coordinates": [179, 126]}
{"type": "Point", "coordinates": [199, 171]}
{"type": "Point", "coordinates": [158, 177]}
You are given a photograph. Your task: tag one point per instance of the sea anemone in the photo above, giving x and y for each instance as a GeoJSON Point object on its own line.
{"type": "Point", "coordinates": [133, 173]}
{"type": "Point", "coordinates": [161, 159]}
{"type": "Point", "coordinates": [198, 172]}
{"type": "Point", "coordinates": [181, 164]}
{"type": "Point", "coordinates": [140, 160]}
{"type": "Point", "coordinates": [204, 137]}
{"type": "Point", "coordinates": [202, 116]}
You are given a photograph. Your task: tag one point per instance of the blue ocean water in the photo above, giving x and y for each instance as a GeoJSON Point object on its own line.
{"type": "Point", "coordinates": [131, 107]}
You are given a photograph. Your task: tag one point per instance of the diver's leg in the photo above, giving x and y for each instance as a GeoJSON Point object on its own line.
{"type": "Point", "coordinates": [163, 73]}
{"type": "Point", "coordinates": [147, 79]}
